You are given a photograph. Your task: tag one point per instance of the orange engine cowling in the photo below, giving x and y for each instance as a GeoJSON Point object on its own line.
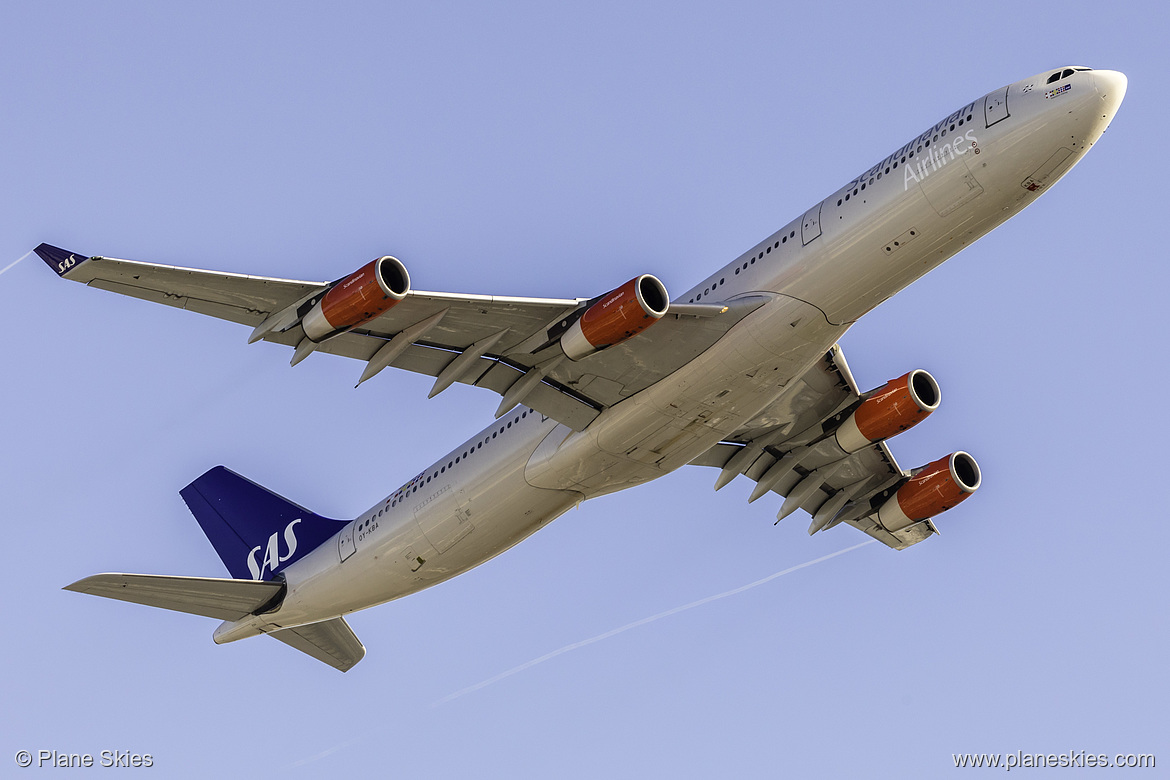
{"type": "Point", "coordinates": [898, 405]}
{"type": "Point", "coordinates": [934, 489]}
{"type": "Point", "coordinates": [616, 316]}
{"type": "Point", "coordinates": [358, 298]}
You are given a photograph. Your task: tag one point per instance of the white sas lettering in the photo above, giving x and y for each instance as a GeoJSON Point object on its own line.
{"type": "Point", "coordinates": [272, 556]}
{"type": "Point", "coordinates": [290, 540]}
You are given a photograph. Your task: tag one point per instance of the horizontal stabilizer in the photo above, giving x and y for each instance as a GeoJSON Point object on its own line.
{"type": "Point", "coordinates": [208, 596]}
{"type": "Point", "coordinates": [331, 641]}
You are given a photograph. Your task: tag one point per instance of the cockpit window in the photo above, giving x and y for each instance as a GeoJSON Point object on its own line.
{"type": "Point", "coordinates": [1064, 74]}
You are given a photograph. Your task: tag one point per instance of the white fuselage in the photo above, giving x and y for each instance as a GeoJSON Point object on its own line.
{"type": "Point", "coordinates": [901, 218]}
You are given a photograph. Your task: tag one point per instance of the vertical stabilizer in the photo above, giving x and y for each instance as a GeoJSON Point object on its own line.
{"type": "Point", "coordinates": [256, 532]}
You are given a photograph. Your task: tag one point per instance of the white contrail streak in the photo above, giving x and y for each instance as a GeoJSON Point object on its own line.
{"type": "Point", "coordinates": [14, 262]}
{"type": "Point", "coordinates": [330, 751]}
{"type": "Point", "coordinates": [642, 622]}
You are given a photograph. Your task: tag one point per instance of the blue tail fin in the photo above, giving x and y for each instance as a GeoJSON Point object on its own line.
{"type": "Point", "coordinates": [256, 532]}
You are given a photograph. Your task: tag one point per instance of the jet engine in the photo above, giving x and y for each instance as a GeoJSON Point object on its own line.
{"type": "Point", "coordinates": [896, 406]}
{"type": "Point", "coordinates": [934, 489]}
{"type": "Point", "coordinates": [616, 316]}
{"type": "Point", "coordinates": [358, 298]}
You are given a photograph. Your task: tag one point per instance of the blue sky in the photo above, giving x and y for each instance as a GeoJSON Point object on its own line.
{"type": "Point", "coordinates": [538, 150]}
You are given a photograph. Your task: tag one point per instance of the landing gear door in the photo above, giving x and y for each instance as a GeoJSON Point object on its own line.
{"type": "Point", "coordinates": [810, 228]}
{"type": "Point", "coordinates": [345, 545]}
{"type": "Point", "coordinates": [995, 107]}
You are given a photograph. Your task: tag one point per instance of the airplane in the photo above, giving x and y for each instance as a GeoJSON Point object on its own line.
{"type": "Point", "coordinates": [742, 373]}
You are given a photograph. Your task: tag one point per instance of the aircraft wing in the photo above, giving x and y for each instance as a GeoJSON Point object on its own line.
{"type": "Point", "coordinates": [505, 344]}
{"type": "Point", "coordinates": [784, 451]}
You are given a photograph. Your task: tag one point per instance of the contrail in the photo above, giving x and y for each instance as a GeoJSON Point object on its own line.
{"type": "Point", "coordinates": [330, 751]}
{"type": "Point", "coordinates": [642, 622]}
{"type": "Point", "coordinates": [14, 262]}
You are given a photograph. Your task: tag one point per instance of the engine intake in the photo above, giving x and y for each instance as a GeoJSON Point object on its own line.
{"type": "Point", "coordinates": [358, 298]}
{"type": "Point", "coordinates": [894, 407]}
{"type": "Point", "coordinates": [933, 490]}
{"type": "Point", "coordinates": [616, 316]}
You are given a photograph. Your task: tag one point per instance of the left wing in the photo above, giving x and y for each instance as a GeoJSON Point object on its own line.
{"type": "Point", "coordinates": [805, 448]}
{"type": "Point", "coordinates": [510, 345]}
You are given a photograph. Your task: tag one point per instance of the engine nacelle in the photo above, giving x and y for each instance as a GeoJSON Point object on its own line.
{"type": "Point", "coordinates": [898, 405]}
{"type": "Point", "coordinates": [358, 298]}
{"type": "Point", "coordinates": [934, 489]}
{"type": "Point", "coordinates": [616, 316]}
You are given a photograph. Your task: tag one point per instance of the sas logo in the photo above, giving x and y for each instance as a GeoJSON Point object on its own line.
{"type": "Point", "coordinates": [272, 557]}
{"type": "Point", "coordinates": [66, 264]}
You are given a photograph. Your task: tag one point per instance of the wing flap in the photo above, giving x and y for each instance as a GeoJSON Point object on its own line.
{"type": "Point", "coordinates": [330, 641]}
{"type": "Point", "coordinates": [225, 599]}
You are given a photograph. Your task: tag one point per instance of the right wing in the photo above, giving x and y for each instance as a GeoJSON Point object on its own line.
{"type": "Point", "coordinates": [505, 344]}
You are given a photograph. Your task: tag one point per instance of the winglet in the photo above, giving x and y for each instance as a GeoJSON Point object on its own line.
{"type": "Point", "coordinates": [60, 260]}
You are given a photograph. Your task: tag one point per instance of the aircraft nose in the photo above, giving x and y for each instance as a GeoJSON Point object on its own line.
{"type": "Point", "coordinates": [1110, 85]}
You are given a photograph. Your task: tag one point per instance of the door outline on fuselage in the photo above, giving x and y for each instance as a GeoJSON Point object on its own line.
{"type": "Point", "coordinates": [345, 545]}
{"type": "Point", "coordinates": [995, 107]}
{"type": "Point", "coordinates": [810, 226]}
